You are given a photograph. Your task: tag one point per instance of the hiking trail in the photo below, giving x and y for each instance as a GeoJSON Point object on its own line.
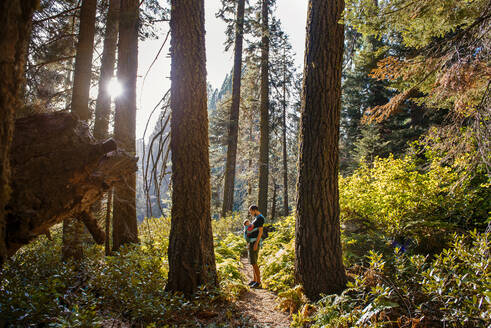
{"type": "Point", "coordinates": [260, 304]}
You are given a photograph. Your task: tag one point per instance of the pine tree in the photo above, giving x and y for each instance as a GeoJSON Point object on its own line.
{"type": "Point", "coordinates": [74, 228]}
{"type": "Point", "coordinates": [103, 103]}
{"type": "Point", "coordinates": [50, 57]}
{"type": "Point", "coordinates": [83, 60]}
{"type": "Point", "coordinates": [191, 255]}
{"type": "Point", "coordinates": [264, 140]}
{"type": "Point", "coordinates": [317, 235]}
{"type": "Point", "coordinates": [444, 68]}
{"type": "Point", "coordinates": [228, 190]}
{"type": "Point", "coordinates": [282, 80]}
{"type": "Point", "coordinates": [125, 229]}
{"type": "Point", "coordinates": [249, 135]}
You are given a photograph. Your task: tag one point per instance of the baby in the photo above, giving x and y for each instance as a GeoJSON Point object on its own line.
{"type": "Point", "coordinates": [248, 228]}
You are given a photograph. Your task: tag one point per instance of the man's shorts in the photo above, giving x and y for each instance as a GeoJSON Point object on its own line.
{"type": "Point", "coordinates": [252, 254]}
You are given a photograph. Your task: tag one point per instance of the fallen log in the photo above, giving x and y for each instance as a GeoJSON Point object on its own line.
{"type": "Point", "coordinates": [58, 172]}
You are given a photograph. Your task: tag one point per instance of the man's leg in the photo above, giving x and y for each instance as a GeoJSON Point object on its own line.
{"type": "Point", "coordinates": [250, 255]}
{"type": "Point", "coordinates": [257, 274]}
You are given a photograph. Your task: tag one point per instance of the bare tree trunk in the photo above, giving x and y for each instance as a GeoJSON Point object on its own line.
{"type": "Point", "coordinates": [107, 242]}
{"type": "Point", "coordinates": [233, 131]}
{"type": "Point", "coordinates": [125, 229]}
{"type": "Point", "coordinates": [318, 258]}
{"type": "Point", "coordinates": [264, 125]}
{"type": "Point", "coordinates": [83, 60]}
{"type": "Point", "coordinates": [286, 210]}
{"type": "Point", "coordinates": [250, 154]}
{"type": "Point", "coordinates": [191, 255]}
{"type": "Point", "coordinates": [73, 228]}
{"type": "Point", "coordinates": [103, 103]}
{"type": "Point", "coordinates": [15, 24]}
{"type": "Point", "coordinates": [273, 203]}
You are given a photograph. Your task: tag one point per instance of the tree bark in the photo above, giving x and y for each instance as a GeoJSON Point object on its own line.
{"type": "Point", "coordinates": [92, 225]}
{"type": "Point", "coordinates": [286, 210]}
{"type": "Point", "coordinates": [58, 172]}
{"type": "Point", "coordinates": [191, 255]}
{"type": "Point", "coordinates": [273, 202]}
{"type": "Point", "coordinates": [103, 103]}
{"type": "Point", "coordinates": [15, 25]}
{"type": "Point", "coordinates": [72, 247]}
{"type": "Point", "coordinates": [83, 60]}
{"type": "Point", "coordinates": [318, 259]}
{"type": "Point", "coordinates": [264, 125]}
{"type": "Point", "coordinates": [233, 131]}
{"type": "Point", "coordinates": [107, 242]}
{"type": "Point", "coordinates": [125, 229]}
{"type": "Point", "coordinates": [73, 227]}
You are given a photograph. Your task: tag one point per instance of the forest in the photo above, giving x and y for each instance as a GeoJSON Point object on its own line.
{"type": "Point", "coordinates": [351, 189]}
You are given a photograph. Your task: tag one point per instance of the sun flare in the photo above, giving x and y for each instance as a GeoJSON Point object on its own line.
{"type": "Point", "coordinates": [114, 88]}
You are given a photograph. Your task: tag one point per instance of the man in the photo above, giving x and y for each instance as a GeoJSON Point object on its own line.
{"type": "Point", "coordinates": [253, 247]}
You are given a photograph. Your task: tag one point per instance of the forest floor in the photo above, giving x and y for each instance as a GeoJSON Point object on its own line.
{"type": "Point", "coordinates": [260, 304]}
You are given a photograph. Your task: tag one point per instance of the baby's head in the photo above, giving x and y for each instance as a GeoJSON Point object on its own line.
{"type": "Point", "coordinates": [246, 222]}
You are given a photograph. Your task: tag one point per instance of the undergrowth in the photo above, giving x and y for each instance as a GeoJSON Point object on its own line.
{"type": "Point", "coordinates": [411, 251]}
{"type": "Point", "coordinates": [38, 289]}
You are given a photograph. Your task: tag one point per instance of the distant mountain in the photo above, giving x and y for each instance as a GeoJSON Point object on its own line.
{"type": "Point", "coordinates": [216, 95]}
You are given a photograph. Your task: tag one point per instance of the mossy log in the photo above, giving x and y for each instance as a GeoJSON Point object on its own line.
{"type": "Point", "coordinates": [58, 172]}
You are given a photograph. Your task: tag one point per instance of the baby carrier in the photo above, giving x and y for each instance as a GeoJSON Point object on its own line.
{"type": "Point", "coordinates": [250, 239]}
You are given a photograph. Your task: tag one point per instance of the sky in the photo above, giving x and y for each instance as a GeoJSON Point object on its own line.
{"type": "Point", "coordinates": [292, 13]}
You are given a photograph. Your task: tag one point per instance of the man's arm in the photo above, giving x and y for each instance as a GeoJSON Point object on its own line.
{"type": "Point", "coordinates": [256, 244]}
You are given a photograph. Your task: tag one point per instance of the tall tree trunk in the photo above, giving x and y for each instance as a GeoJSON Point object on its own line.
{"type": "Point", "coordinates": [15, 25]}
{"type": "Point", "coordinates": [233, 131]}
{"type": "Point", "coordinates": [103, 103]}
{"type": "Point", "coordinates": [191, 255]}
{"type": "Point", "coordinates": [318, 257]}
{"type": "Point", "coordinates": [250, 154]}
{"type": "Point", "coordinates": [264, 126]}
{"type": "Point", "coordinates": [73, 228]}
{"type": "Point", "coordinates": [83, 60]}
{"type": "Point", "coordinates": [125, 229]}
{"type": "Point", "coordinates": [286, 210]}
{"type": "Point", "coordinates": [273, 203]}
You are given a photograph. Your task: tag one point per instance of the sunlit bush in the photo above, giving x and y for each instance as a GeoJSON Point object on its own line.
{"type": "Point", "coordinates": [226, 225]}
{"type": "Point", "coordinates": [276, 257]}
{"type": "Point", "coordinates": [398, 200]}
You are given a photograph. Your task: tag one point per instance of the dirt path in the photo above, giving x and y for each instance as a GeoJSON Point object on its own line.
{"type": "Point", "coordinates": [259, 304]}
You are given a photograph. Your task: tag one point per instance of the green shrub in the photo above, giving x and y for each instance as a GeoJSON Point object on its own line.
{"type": "Point", "coordinates": [277, 256]}
{"type": "Point", "coordinates": [227, 225]}
{"type": "Point", "coordinates": [393, 197]}
{"type": "Point", "coordinates": [227, 253]}
{"type": "Point", "coordinates": [459, 279]}
{"type": "Point", "coordinates": [37, 288]}
{"type": "Point", "coordinates": [413, 291]}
